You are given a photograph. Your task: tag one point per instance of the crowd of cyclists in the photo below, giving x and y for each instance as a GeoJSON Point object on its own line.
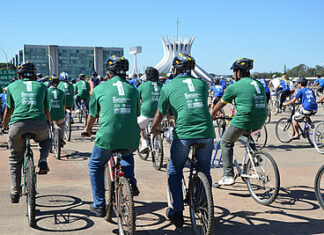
{"type": "Point", "coordinates": [126, 106]}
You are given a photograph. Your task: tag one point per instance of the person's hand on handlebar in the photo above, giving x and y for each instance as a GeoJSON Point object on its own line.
{"type": "Point", "coordinates": [86, 133]}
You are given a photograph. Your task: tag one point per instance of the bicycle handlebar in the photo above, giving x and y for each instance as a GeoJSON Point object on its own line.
{"type": "Point", "coordinates": [85, 134]}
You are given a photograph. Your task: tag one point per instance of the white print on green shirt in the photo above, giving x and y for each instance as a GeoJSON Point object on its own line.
{"type": "Point", "coordinates": [28, 98]}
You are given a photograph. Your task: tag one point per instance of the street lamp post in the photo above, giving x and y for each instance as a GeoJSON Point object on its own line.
{"type": "Point", "coordinates": [4, 52]}
{"type": "Point", "coordinates": [52, 63]}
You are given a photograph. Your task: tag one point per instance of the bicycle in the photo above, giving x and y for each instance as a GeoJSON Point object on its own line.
{"type": "Point", "coordinates": [119, 195]}
{"type": "Point", "coordinates": [198, 196]}
{"type": "Point", "coordinates": [285, 131]}
{"type": "Point", "coordinates": [262, 184]}
{"type": "Point", "coordinates": [319, 186]}
{"type": "Point", "coordinates": [83, 112]}
{"type": "Point", "coordinates": [155, 145]}
{"type": "Point", "coordinates": [67, 126]}
{"type": "Point", "coordinates": [29, 180]}
{"type": "Point", "coordinates": [319, 137]}
{"type": "Point", "coordinates": [56, 146]}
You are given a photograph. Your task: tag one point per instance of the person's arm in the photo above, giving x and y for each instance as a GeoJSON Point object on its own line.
{"type": "Point", "coordinates": [293, 100]}
{"type": "Point", "coordinates": [90, 122]}
{"type": "Point", "coordinates": [6, 117]}
{"type": "Point", "coordinates": [156, 122]}
{"type": "Point", "coordinates": [48, 115]}
{"type": "Point", "coordinates": [321, 99]}
{"type": "Point", "coordinates": [220, 104]}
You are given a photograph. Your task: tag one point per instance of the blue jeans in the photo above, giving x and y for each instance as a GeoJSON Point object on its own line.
{"type": "Point", "coordinates": [178, 157]}
{"type": "Point", "coordinates": [97, 162]}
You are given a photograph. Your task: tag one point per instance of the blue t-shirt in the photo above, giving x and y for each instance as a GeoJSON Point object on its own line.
{"type": "Point", "coordinates": [223, 83]}
{"type": "Point", "coordinates": [284, 85]}
{"type": "Point", "coordinates": [320, 82]}
{"type": "Point", "coordinates": [307, 98]}
{"type": "Point", "coordinates": [218, 90]}
{"type": "Point", "coordinates": [264, 84]}
{"type": "Point", "coordinates": [3, 99]}
{"type": "Point", "coordinates": [132, 82]}
{"type": "Point", "coordinates": [167, 81]}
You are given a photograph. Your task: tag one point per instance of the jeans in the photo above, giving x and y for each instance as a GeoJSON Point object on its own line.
{"type": "Point", "coordinates": [178, 157]}
{"type": "Point", "coordinates": [77, 101]}
{"type": "Point", "coordinates": [229, 137]}
{"type": "Point", "coordinates": [97, 162]}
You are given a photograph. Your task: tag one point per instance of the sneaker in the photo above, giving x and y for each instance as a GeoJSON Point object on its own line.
{"type": "Point", "coordinates": [175, 217]}
{"type": "Point", "coordinates": [135, 191]}
{"type": "Point", "coordinates": [99, 212]}
{"type": "Point", "coordinates": [14, 197]}
{"type": "Point", "coordinates": [144, 148]}
{"type": "Point", "coordinates": [43, 168]}
{"type": "Point", "coordinates": [226, 180]}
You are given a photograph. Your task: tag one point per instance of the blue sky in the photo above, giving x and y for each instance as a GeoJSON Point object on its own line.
{"type": "Point", "coordinates": [271, 32]}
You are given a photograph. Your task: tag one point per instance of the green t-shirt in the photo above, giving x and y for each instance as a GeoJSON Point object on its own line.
{"type": "Point", "coordinates": [68, 89]}
{"type": "Point", "coordinates": [187, 97]}
{"type": "Point", "coordinates": [83, 89]}
{"type": "Point", "coordinates": [56, 101]}
{"type": "Point", "coordinates": [46, 84]}
{"type": "Point", "coordinates": [28, 99]}
{"type": "Point", "coordinates": [74, 88]}
{"type": "Point", "coordinates": [149, 93]}
{"type": "Point", "coordinates": [250, 103]}
{"type": "Point", "coordinates": [119, 106]}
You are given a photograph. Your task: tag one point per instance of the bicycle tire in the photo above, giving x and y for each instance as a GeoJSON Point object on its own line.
{"type": "Point", "coordinates": [157, 153]}
{"type": "Point", "coordinates": [284, 130]}
{"type": "Point", "coordinates": [319, 191]}
{"type": "Point", "coordinates": [126, 223]}
{"type": "Point", "coordinates": [200, 189]}
{"type": "Point", "coordinates": [67, 130]}
{"type": "Point", "coordinates": [267, 197]}
{"type": "Point", "coordinates": [318, 137]}
{"type": "Point", "coordinates": [85, 116]}
{"type": "Point", "coordinates": [310, 133]}
{"type": "Point", "coordinates": [80, 115]}
{"type": "Point", "coordinates": [57, 145]}
{"type": "Point", "coordinates": [260, 137]}
{"type": "Point", "coordinates": [109, 194]}
{"type": "Point", "coordinates": [31, 193]}
{"type": "Point", "coordinates": [268, 116]}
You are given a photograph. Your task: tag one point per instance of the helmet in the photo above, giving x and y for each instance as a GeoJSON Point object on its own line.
{"type": "Point", "coordinates": [94, 74]}
{"type": "Point", "coordinates": [27, 70]}
{"type": "Point", "coordinates": [73, 80]}
{"type": "Point", "coordinates": [216, 81]}
{"type": "Point", "coordinates": [117, 65]}
{"type": "Point", "coordinates": [274, 76]}
{"type": "Point", "coordinates": [302, 81]}
{"type": "Point", "coordinates": [244, 64]}
{"type": "Point", "coordinates": [152, 74]}
{"type": "Point", "coordinates": [170, 75]}
{"type": "Point", "coordinates": [82, 76]}
{"type": "Point", "coordinates": [54, 80]}
{"type": "Point", "coordinates": [39, 75]}
{"type": "Point", "coordinates": [184, 63]}
{"type": "Point", "coordinates": [64, 76]}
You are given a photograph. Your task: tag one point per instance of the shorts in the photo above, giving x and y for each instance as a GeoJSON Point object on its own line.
{"type": "Point", "coordinates": [302, 113]}
{"type": "Point", "coordinates": [143, 121]}
{"type": "Point", "coordinates": [216, 99]}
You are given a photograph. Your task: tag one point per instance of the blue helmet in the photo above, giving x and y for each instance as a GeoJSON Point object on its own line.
{"type": "Point", "coordinates": [64, 76]}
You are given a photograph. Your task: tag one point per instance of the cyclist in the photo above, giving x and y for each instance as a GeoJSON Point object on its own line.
{"type": "Point", "coordinates": [251, 112]}
{"type": "Point", "coordinates": [265, 85]}
{"type": "Point", "coordinates": [319, 82]}
{"type": "Point", "coordinates": [133, 81]}
{"type": "Point", "coordinates": [94, 81]}
{"type": "Point", "coordinates": [187, 97]}
{"type": "Point", "coordinates": [284, 83]}
{"type": "Point", "coordinates": [170, 76]}
{"type": "Point", "coordinates": [218, 91]}
{"type": "Point", "coordinates": [149, 94]}
{"type": "Point", "coordinates": [39, 77]}
{"type": "Point", "coordinates": [118, 104]}
{"type": "Point", "coordinates": [46, 81]}
{"type": "Point", "coordinates": [307, 99]}
{"type": "Point", "coordinates": [57, 104]}
{"type": "Point", "coordinates": [68, 89]}
{"type": "Point", "coordinates": [82, 93]}
{"type": "Point", "coordinates": [223, 82]}
{"type": "Point", "coordinates": [27, 111]}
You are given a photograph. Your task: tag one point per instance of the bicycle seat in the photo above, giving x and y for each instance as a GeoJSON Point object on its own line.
{"type": "Point", "coordinates": [197, 145]}
{"type": "Point", "coordinates": [119, 150]}
{"type": "Point", "coordinates": [28, 136]}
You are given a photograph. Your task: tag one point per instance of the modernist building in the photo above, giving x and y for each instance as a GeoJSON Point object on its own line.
{"type": "Point", "coordinates": [53, 59]}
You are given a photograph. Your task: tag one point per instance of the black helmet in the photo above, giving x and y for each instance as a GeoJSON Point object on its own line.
{"type": "Point", "coordinates": [152, 74]}
{"type": "Point", "coordinates": [94, 74]}
{"type": "Point", "coordinates": [217, 81]}
{"type": "Point", "coordinates": [243, 64]}
{"type": "Point", "coordinates": [39, 75]}
{"type": "Point", "coordinates": [302, 81]}
{"type": "Point", "coordinates": [27, 70]}
{"type": "Point", "coordinates": [184, 63]}
{"type": "Point", "coordinates": [54, 80]}
{"type": "Point", "coordinates": [82, 76]}
{"type": "Point", "coordinates": [117, 65]}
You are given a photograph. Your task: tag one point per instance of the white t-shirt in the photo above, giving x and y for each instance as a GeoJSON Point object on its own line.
{"type": "Point", "coordinates": [291, 86]}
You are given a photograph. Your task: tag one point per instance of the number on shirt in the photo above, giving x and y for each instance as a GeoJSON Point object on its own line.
{"type": "Point", "coordinates": [190, 84]}
{"type": "Point", "coordinates": [120, 88]}
{"type": "Point", "coordinates": [66, 85]}
{"type": "Point", "coordinates": [54, 94]}
{"type": "Point", "coordinates": [254, 83]}
{"type": "Point", "coordinates": [29, 86]}
{"type": "Point", "coordinates": [156, 88]}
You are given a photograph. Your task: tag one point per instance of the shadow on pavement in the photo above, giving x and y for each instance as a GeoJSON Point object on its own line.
{"type": "Point", "coordinates": [289, 147]}
{"type": "Point", "coordinates": [71, 155]}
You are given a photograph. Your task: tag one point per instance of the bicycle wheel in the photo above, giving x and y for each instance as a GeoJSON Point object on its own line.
{"type": "Point", "coordinates": [310, 133]}
{"type": "Point", "coordinates": [31, 193]}
{"type": "Point", "coordinates": [109, 194]}
{"type": "Point", "coordinates": [80, 114]}
{"type": "Point", "coordinates": [157, 152]}
{"type": "Point", "coordinates": [201, 205]}
{"type": "Point", "coordinates": [268, 115]}
{"type": "Point", "coordinates": [57, 145]}
{"type": "Point", "coordinates": [264, 181]}
{"type": "Point", "coordinates": [318, 137]}
{"type": "Point", "coordinates": [319, 186]}
{"type": "Point", "coordinates": [126, 216]}
{"type": "Point", "coordinates": [67, 129]}
{"type": "Point", "coordinates": [275, 107]}
{"type": "Point", "coordinates": [284, 130]}
{"type": "Point", "coordinates": [260, 137]}
{"type": "Point", "coordinates": [85, 116]}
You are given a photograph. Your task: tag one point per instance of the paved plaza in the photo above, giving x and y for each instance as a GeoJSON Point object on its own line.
{"type": "Point", "coordinates": [64, 195]}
